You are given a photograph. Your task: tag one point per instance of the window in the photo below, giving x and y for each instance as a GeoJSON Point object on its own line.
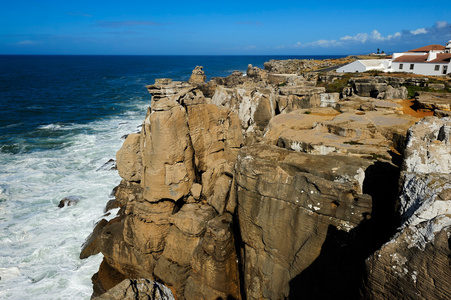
{"type": "Point", "coordinates": [411, 66]}
{"type": "Point", "coordinates": [437, 68]}
{"type": "Point", "coordinates": [400, 66]}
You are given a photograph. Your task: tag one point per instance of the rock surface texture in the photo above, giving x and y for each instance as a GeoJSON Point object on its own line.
{"type": "Point", "coordinates": [415, 263]}
{"type": "Point", "coordinates": [267, 186]}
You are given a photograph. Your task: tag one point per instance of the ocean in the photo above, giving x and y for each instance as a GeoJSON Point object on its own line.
{"type": "Point", "coordinates": [62, 118]}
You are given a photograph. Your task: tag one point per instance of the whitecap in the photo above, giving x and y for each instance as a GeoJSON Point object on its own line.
{"type": "Point", "coordinates": [7, 274]}
{"type": "Point", "coordinates": [50, 126]}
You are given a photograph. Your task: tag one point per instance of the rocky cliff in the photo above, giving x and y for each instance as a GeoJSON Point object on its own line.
{"type": "Point", "coordinates": [254, 187]}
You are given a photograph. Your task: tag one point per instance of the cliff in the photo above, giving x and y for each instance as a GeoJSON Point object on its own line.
{"type": "Point", "coordinates": [266, 187]}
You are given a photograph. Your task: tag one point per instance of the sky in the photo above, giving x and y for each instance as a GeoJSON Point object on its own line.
{"type": "Point", "coordinates": [221, 27]}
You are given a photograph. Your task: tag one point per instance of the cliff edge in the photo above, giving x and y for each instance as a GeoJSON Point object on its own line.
{"type": "Point", "coordinates": [267, 186]}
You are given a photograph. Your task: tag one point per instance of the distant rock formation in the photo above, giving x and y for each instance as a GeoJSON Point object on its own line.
{"type": "Point", "coordinates": [198, 76]}
{"type": "Point", "coordinates": [254, 187]}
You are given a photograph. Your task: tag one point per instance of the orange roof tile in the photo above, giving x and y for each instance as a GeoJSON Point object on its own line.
{"type": "Point", "coordinates": [442, 58]}
{"type": "Point", "coordinates": [412, 58]}
{"type": "Point", "coordinates": [428, 48]}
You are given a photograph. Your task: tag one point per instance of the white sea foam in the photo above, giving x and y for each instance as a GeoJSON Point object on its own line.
{"type": "Point", "coordinates": [51, 126]}
{"type": "Point", "coordinates": [40, 243]}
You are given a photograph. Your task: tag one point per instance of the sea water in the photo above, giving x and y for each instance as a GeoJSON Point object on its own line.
{"type": "Point", "coordinates": [62, 118]}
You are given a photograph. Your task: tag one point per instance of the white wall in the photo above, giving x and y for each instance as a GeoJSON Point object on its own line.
{"type": "Point", "coordinates": [420, 68]}
{"type": "Point", "coordinates": [355, 66]}
{"type": "Point", "coordinates": [365, 65]}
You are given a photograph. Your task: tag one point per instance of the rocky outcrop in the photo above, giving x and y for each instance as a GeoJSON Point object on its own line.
{"type": "Point", "coordinates": [175, 223]}
{"type": "Point", "coordinates": [255, 187]}
{"type": "Point", "coordinates": [310, 193]}
{"type": "Point", "coordinates": [297, 66]}
{"type": "Point", "coordinates": [415, 263]}
{"type": "Point", "coordinates": [433, 101]}
{"type": "Point", "coordinates": [198, 76]}
{"type": "Point", "coordinates": [131, 289]}
{"type": "Point", "coordinates": [378, 87]}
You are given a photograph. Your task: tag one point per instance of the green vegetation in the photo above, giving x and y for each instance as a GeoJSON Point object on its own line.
{"type": "Point", "coordinates": [307, 112]}
{"type": "Point", "coordinates": [337, 85]}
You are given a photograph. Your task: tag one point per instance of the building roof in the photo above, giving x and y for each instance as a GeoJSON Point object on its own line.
{"type": "Point", "coordinates": [428, 48]}
{"type": "Point", "coordinates": [412, 58]}
{"type": "Point", "coordinates": [442, 58]}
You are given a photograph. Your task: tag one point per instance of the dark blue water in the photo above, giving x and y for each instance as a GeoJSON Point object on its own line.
{"type": "Point", "coordinates": [40, 91]}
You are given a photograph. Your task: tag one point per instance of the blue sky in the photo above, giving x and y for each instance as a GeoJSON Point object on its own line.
{"type": "Point", "coordinates": [221, 27]}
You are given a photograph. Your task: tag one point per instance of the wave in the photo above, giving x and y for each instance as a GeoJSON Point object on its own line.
{"type": "Point", "coordinates": [56, 126]}
{"type": "Point", "coordinates": [40, 242]}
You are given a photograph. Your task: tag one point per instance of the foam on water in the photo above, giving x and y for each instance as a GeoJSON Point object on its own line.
{"type": "Point", "coordinates": [40, 243]}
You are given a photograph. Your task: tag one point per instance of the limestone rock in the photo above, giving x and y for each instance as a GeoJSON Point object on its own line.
{"type": "Point", "coordinates": [192, 218]}
{"type": "Point", "coordinates": [173, 275]}
{"type": "Point", "coordinates": [121, 256]}
{"type": "Point", "coordinates": [167, 155]}
{"type": "Point", "coordinates": [166, 88]}
{"type": "Point", "coordinates": [127, 191]}
{"type": "Point", "coordinates": [436, 86]}
{"type": "Point", "coordinates": [132, 289]}
{"type": "Point", "coordinates": [297, 120]}
{"type": "Point", "coordinates": [209, 128]}
{"type": "Point", "coordinates": [128, 158]}
{"type": "Point", "coordinates": [69, 201]}
{"type": "Point", "coordinates": [215, 263]}
{"type": "Point", "coordinates": [426, 100]}
{"type": "Point", "coordinates": [198, 76]}
{"type": "Point", "coordinates": [329, 99]}
{"type": "Point", "coordinates": [311, 193]}
{"type": "Point", "coordinates": [369, 134]}
{"type": "Point", "coordinates": [179, 247]}
{"type": "Point", "coordinates": [256, 73]}
{"type": "Point", "coordinates": [415, 263]}
{"type": "Point", "coordinates": [394, 93]}
{"type": "Point", "coordinates": [428, 147]}
{"type": "Point", "coordinates": [91, 245]}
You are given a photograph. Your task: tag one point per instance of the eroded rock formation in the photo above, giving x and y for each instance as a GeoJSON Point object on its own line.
{"type": "Point", "coordinates": [415, 263]}
{"type": "Point", "coordinates": [266, 187]}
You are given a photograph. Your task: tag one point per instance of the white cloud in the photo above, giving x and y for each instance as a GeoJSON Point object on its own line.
{"type": "Point", "coordinates": [419, 31]}
{"type": "Point", "coordinates": [439, 32]}
{"type": "Point", "coordinates": [441, 24]}
{"type": "Point", "coordinates": [323, 43]}
{"type": "Point", "coordinates": [396, 35]}
{"type": "Point", "coordinates": [374, 36]}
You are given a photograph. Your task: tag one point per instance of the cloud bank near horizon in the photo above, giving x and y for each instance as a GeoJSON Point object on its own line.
{"type": "Point", "coordinates": [440, 33]}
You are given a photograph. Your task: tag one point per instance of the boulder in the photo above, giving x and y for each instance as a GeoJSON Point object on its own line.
{"type": "Point", "coordinates": [69, 201]}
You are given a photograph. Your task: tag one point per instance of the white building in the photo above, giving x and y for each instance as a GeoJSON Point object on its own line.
{"type": "Point", "coordinates": [364, 65]}
{"type": "Point", "coordinates": [428, 60]}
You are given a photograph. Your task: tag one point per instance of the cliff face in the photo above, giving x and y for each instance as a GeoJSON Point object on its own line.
{"type": "Point", "coordinates": [415, 263]}
{"type": "Point", "coordinates": [244, 187]}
